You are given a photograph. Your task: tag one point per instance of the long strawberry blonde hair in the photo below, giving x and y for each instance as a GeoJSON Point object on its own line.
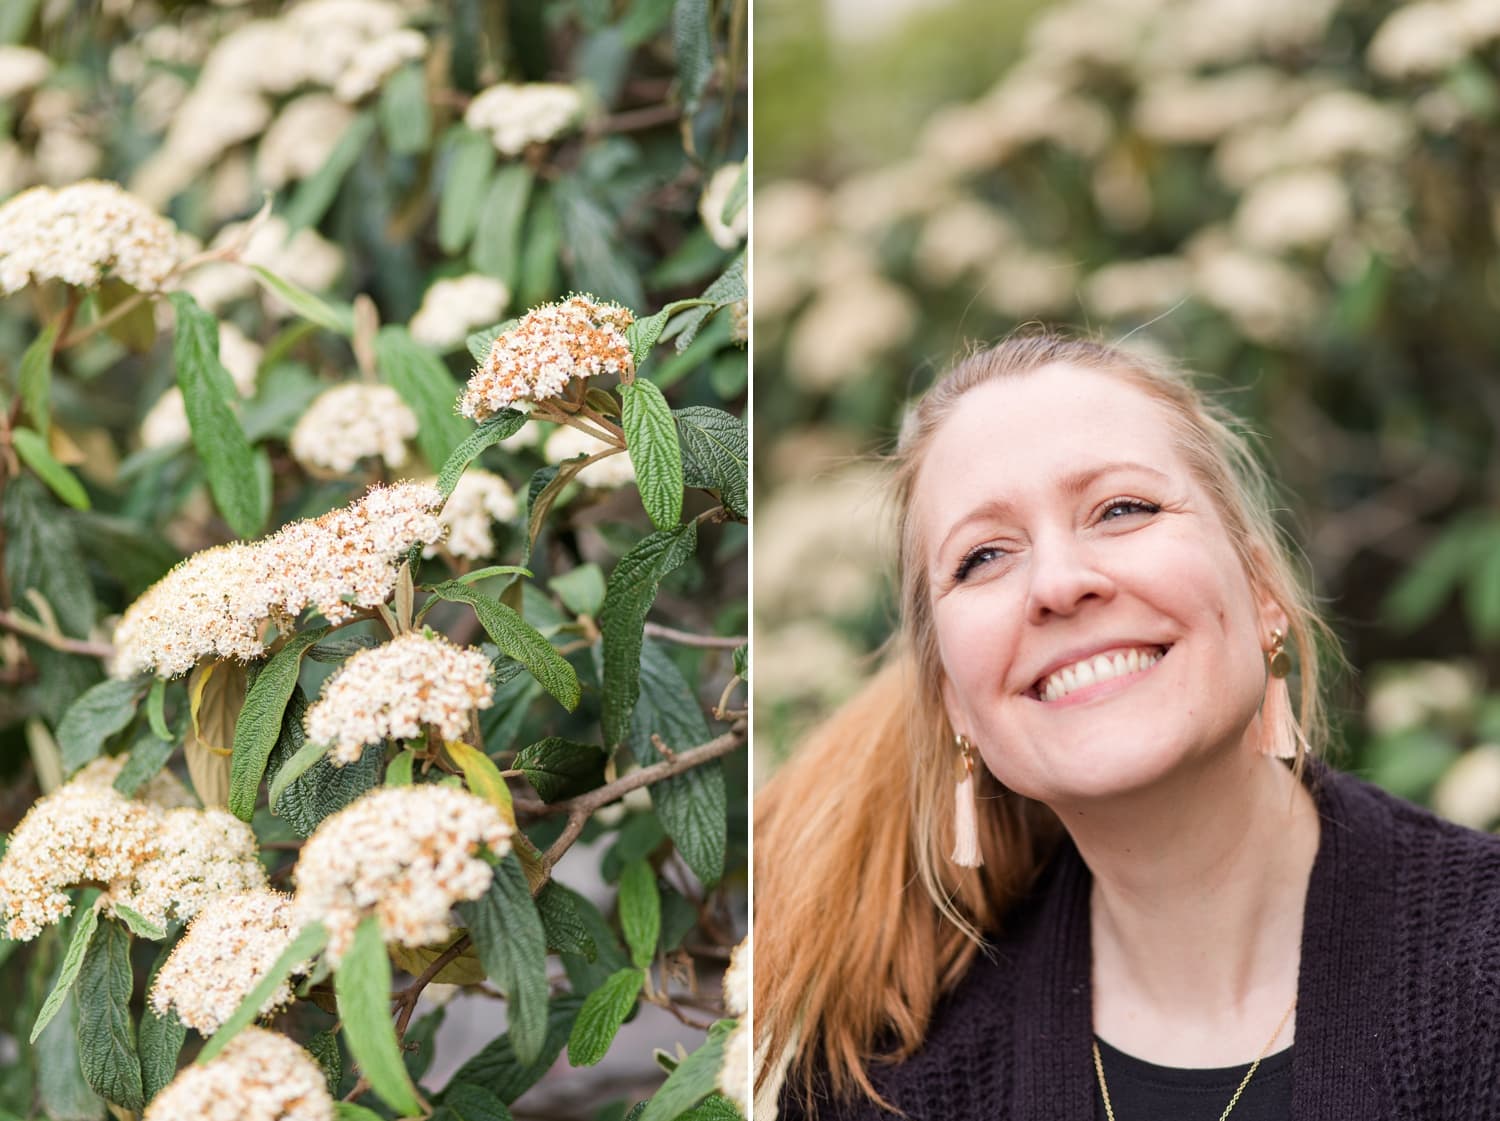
{"type": "Point", "coordinates": [861, 921]}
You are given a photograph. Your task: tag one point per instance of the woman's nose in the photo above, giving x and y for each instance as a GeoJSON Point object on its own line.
{"type": "Point", "coordinates": [1064, 575]}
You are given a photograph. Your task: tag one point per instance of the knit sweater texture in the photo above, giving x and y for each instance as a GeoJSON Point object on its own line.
{"type": "Point", "coordinates": [1398, 1005]}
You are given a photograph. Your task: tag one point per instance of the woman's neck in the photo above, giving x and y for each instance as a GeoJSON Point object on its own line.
{"type": "Point", "coordinates": [1196, 912]}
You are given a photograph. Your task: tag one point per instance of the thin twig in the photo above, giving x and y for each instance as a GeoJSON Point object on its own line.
{"type": "Point", "coordinates": [407, 997]}
{"type": "Point", "coordinates": [22, 625]}
{"type": "Point", "coordinates": [684, 638]}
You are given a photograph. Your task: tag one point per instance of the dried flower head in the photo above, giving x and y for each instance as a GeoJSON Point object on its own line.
{"type": "Point", "coordinates": [457, 305]}
{"type": "Point", "coordinates": [201, 855]}
{"type": "Point", "coordinates": [568, 443]}
{"type": "Point", "coordinates": [260, 1076]}
{"type": "Point", "coordinates": [350, 422]}
{"type": "Point", "coordinates": [81, 233]}
{"type": "Point", "coordinates": [226, 952]}
{"type": "Point", "coordinates": [480, 499]}
{"type": "Point", "coordinates": [395, 690]}
{"type": "Point", "coordinates": [552, 345]}
{"type": "Point", "coordinates": [405, 854]}
{"type": "Point", "coordinates": [518, 115]}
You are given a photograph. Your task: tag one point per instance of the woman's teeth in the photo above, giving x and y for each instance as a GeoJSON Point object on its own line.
{"type": "Point", "coordinates": [1101, 667]}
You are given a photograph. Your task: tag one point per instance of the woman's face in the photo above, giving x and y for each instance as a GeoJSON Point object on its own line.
{"type": "Point", "coordinates": [1096, 627]}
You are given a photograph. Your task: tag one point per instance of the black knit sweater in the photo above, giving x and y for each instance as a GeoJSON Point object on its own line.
{"type": "Point", "coordinates": [1398, 1007]}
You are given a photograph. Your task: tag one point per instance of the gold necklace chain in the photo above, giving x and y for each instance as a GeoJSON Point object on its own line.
{"type": "Point", "coordinates": [1109, 1110]}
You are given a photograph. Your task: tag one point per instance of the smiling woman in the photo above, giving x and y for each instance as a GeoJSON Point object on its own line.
{"type": "Point", "coordinates": [1071, 851]}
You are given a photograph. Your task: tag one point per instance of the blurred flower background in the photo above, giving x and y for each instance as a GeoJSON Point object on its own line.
{"type": "Point", "coordinates": [1296, 198]}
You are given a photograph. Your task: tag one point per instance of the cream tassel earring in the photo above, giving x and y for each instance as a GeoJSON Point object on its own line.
{"type": "Point", "coordinates": [965, 817]}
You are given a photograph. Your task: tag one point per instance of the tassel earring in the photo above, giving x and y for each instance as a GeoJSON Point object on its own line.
{"type": "Point", "coordinates": [965, 816]}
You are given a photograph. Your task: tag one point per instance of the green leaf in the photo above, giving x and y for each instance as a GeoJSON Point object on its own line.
{"type": "Point", "coordinates": [398, 771]}
{"type": "Point", "coordinates": [258, 728]}
{"type": "Point", "coordinates": [310, 940]}
{"type": "Point", "coordinates": [135, 329]}
{"type": "Point", "coordinates": [428, 389]}
{"type": "Point", "coordinates": [362, 985]}
{"type": "Point", "coordinates": [480, 343]}
{"type": "Point", "coordinates": [644, 19]}
{"type": "Point", "coordinates": [640, 911]}
{"type": "Point", "coordinates": [520, 640]}
{"type": "Point", "coordinates": [594, 245]}
{"type": "Point", "coordinates": [464, 1101]}
{"type": "Point", "coordinates": [217, 436]}
{"type": "Point", "coordinates": [161, 1038]}
{"type": "Point", "coordinates": [497, 239]}
{"type": "Point", "coordinates": [693, 807]}
{"type": "Point", "coordinates": [728, 287]}
{"type": "Point", "coordinates": [60, 1085]}
{"type": "Point", "coordinates": [581, 589]}
{"type": "Point", "coordinates": [348, 1111]}
{"type": "Point", "coordinates": [148, 755]}
{"type": "Point", "coordinates": [156, 712]}
{"type": "Point", "coordinates": [139, 924]}
{"type": "Point", "coordinates": [106, 1033]}
{"type": "Point", "coordinates": [34, 452]}
{"type": "Point", "coordinates": [559, 768]}
{"type": "Point", "coordinates": [1421, 593]}
{"type": "Point", "coordinates": [94, 717]}
{"type": "Point", "coordinates": [601, 1016]}
{"type": "Point", "coordinates": [505, 423]}
{"type": "Point", "coordinates": [35, 379]}
{"type": "Point", "coordinates": [336, 318]}
{"type": "Point", "coordinates": [471, 158]}
{"type": "Point", "coordinates": [404, 116]}
{"type": "Point", "coordinates": [1482, 593]}
{"type": "Point", "coordinates": [83, 932]}
{"type": "Point", "coordinates": [540, 249]}
{"type": "Point", "coordinates": [715, 1107]}
{"type": "Point", "coordinates": [651, 438]}
{"type": "Point", "coordinates": [696, 1077]}
{"type": "Point", "coordinates": [632, 589]}
{"type": "Point", "coordinates": [512, 945]}
{"type": "Point", "coordinates": [695, 59]}
{"type": "Point", "coordinates": [324, 1047]}
{"type": "Point", "coordinates": [566, 932]}
{"type": "Point", "coordinates": [716, 455]}
{"type": "Point", "coordinates": [315, 194]}
{"type": "Point", "coordinates": [317, 787]}
{"type": "Point", "coordinates": [496, 1067]}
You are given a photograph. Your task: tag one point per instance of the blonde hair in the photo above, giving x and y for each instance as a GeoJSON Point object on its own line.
{"type": "Point", "coordinates": [861, 919]}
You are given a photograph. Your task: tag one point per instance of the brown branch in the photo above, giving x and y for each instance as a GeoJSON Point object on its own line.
{"type": "Point", "coordinates": [684, 638]}
{"type": "Point", "coordinates": [650, 116]}
{"type": "Point", "coordinates": [22, 625]}
{"type": "Point", "coordinates": [407, 997]}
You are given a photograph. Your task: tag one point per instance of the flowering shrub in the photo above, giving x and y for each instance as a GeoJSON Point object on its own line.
{"type": "Point", "coordinates": [321, 666]}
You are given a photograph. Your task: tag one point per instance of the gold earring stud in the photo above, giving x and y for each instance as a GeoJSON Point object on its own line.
{"type": "Point", "coordinates": [1277, 659]}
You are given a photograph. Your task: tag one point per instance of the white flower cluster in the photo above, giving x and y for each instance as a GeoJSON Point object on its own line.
{"type": "Point", "coordinates": [217, 602]}
{"type": "Point", "coordinates": [227, 950]}
{"type": "Point", "coordinates": [735, 1076]}
{"type": "Point", "coordinates": [568, 443]}
{"type": "Point", "coordinates": [726, 235]}
{"type": "Point", "coordinates": [518, 115]}
{"type": "Point", "coordinates": [21, 69]}
{"type": "Point", "coordinates": [162, 863]}
{"type": "Point", "coordinates": [301, 138]}
{"type": "Point", "coordinates": [457, 305]}
{"type": "Point", "coordinates": [260, 1076]}
{"type": "Point", "coordinates": [405, 854]}
{"type": "Point", "coordinates": [480, 499]}
{"type": "Point", "coordinates": [166, 425]}
{"type": "Point", "coordinates": [81, 233]}
{"type": "Point", "coordinates": [552, 345]}
{"type": "Point", "coordinates": [1432, 36]}
{"type": "Point", "coordinates": [350, 422]}
{"type": "Point", "coordinates": [394, 690]}
{"type": "Point", "coordinates": [304, 258]}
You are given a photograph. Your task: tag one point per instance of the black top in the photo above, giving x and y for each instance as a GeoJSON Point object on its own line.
{"type": "Point", "coordinates": [1398, 1006]}
{"type": "Point", "coordinates": [1142, 1091]}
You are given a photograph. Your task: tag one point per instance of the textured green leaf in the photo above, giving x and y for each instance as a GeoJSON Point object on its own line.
{"type": "Point", "coordinates": [428, 389]}
{"type": "Point", "coordinates": [34, 452]}
{"type": "Point", "coordinates": [716, 455]}
{"type": "Point", "coordinates": [503, 424]}
{"type": "Point", "coordinates": [695, 58]}
{"type": "Point", "coordinates": [632, 589]}
{"type": "Point", "coordinates": [217, 436]}
{"type": "Point", "coordinates": [715, 1107]}
{"type": "Point", "coordinates": [324, 1047]}
{"type": "Point", "coordinates": [693, 806]}
{"type": "Point", "coordinates": [512, 945]}
{"type": "Point", "coordinates": [348, 1111]}
{"type": "Point", "coordinates": [596, 262]}
{"type": "Point", "coordinates": [34, 381]}
{"type": "Point", "coordinates": [60, 1085]}
{"type": "Point", "coordinates": [559, 768]}
{"type": "Point", "coordinates": [496, 250]}
{"type": "Point", "coordinates": [315, 194]}
{"type": "Point", "coordinates": [496, 1067]}
{"type": "Point", "coordinates": [562, 923]}
{"type": "Point", "coordinates": [148, 755]}
{"type": "Point", "coordinates": [338, 318]}
{"type": "Point", "coordinates": [317, 787]}
{"type": "Point", "coordinates": [696, 1077]}
{"type": "Point", "coordinates": [651, 438]}
{"type": "Point", "coordinates": [480, 343]}
{"type": "Point", "coordinates": [402, 109]}
{"type": "Point", "coordinates": [471, 158]}
{"type": "Point", "coordinates": [258, 728]}
{"type": "Point", "coordinates": [640, 911]}
{"type": "Point", "coordinates": [83, 931]}
{"type": "Point", "coordinates": [464, 1101]}
{"type": "Point", "coordinates": [601, 1016]}
{"type": "Point", "coordinates": [362, 985]}
{"type": "Point", "coordinates": [139, 924]}
{"type": "Point", "coordinates": [520, 640]}
{"type": "Point", "coordinates": [309, 941]}
{"type": "Point", "coordinates": [161, 1038]}
{"type": "Point", "coordinates": [728, 287]}
{"type": "Point", "coordinates": [94, 717]}
{"type": "Point", "coordinates": [106, 1033]}
{"type": "Point", "coordinates": [156, 712]}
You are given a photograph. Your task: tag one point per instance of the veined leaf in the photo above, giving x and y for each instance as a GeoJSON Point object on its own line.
{"type": "Point", "coordinates": [520, 640]}
{"type": "Point", "coordinates": [336, 318]}
{"type": "Point", "coordinates": [651, 438]}
{"type": "Point", "coordinates": [716, 455]}
{"type": "Point", "coordinates": [480, 343]}
{"type": "Point", "coordinates": [496, 250]}
{"type": "Point", "coordinates": [503, 424]}
{"type": "Point", "coordinates": [695, 60]}
{"type": "Point", "coordinates": [259, 724]}
{"type": "Point", "coordinates": [728, 287]}
{"type": "Point", "coordinates": [216, 693]}
{"type": "Point", "coordinates": [94, 717]}
{"type": "Point", "coordinates": [566, 932]}
{"type": "Point", "coordinates": [428, 389]}
{"type": "Point", "coordinates": [512, 945]}
{"type": "Point", "coordinates": [559, 768]}
{"type": "Point", "coordinates": [471, 158]}
{"type": "Point", "coordinates": [306, 785]}
{"type": "Point", "coordinates": [35, 379]}
{"type": "Point", "coordinates": [497, 1068]}
{"type": "Point", "coordinates": [161, 1038]}
{"type": "Point", "coordinates": [464, 1101]}
{"type": "Point", "coordinates": [601, 1016]}
{"type": "Point", "coordinates": [148, 755]}
{"type": "Point", "coordinates": [139, 924]}
{"type": "Point", "coordinates": [640, 911]}
{"type": "Point", "coordinates": [83, 932]}
{"type": "Point", "coordinates": [34, 452]}
{"type": "Point", "coordinates": [106, 1033]}
{"type": "Point", "coordinates": [483, 777]}
{"type": "Point", "coordinates": [696, 1077]}
{"type": "Point", "coordinates": [362, 985]}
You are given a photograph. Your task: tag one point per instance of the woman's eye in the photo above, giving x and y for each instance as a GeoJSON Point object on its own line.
{"type": "Point", "coordinates": [1119, 507]}
{"type": "Point", "coordinates": [974, 558]}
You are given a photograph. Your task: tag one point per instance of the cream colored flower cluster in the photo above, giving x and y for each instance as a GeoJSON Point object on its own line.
{"type": "Point", "coordinates": [166, 425]}
{"type": "Point", "coordinates": [735, 1075]}
{"type": "Point", "coordinates": [518, 115]}
{"type": "Point", "coordinates": [404, 854]}
{"type": "Point", "coordinates": [259, 1076]}
{"type": "Point", "coordinates": [395, 690]}
{"type": "Point", "coordinates": [567, 442]}
{"type": "Point", "coordinates": [21, 69]}
{"type": "Point", "coordinates": [217, 602]}
{"type": "Point", "coordinates": [351, 422]}
{"type": "Point", "coordinates": [480, 499]}
{"type": "Point", "coordinates": [454, 306]}
{"type": "Point", "coordinates": [162, 863]}
{"type": "Point", "coordinates": [81, 233]}
{"type": "Point", "coordinates": [226, 952]}
{"type": "Point", "coordinates": [552, 345]}
{"type": "Point", "coordinates": [726, 235]}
